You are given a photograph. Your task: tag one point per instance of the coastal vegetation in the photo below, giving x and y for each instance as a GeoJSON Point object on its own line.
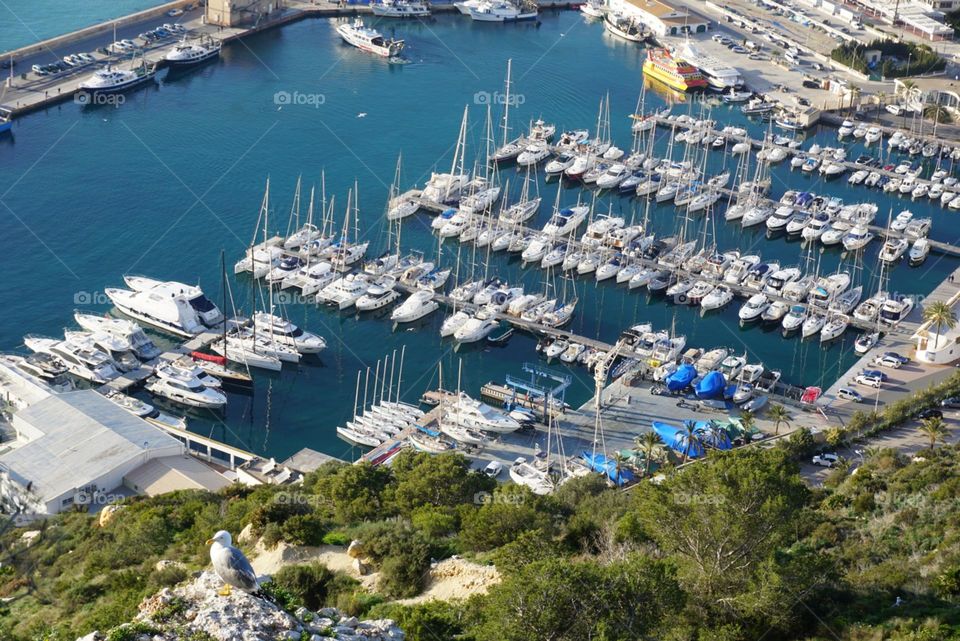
{"type": "Point", "coordinates": [897, 59]}
{"type": "Point", "coordinates": [736, 547]}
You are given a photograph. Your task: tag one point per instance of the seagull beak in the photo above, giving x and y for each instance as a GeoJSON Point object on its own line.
{"type": "Point", "coordinates": [209, 542]}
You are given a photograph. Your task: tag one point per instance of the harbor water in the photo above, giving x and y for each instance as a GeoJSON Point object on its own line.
{"type": "Point", "coordinates": [24, 22]}
{"type": "Point", "coordinates": [160, 184]}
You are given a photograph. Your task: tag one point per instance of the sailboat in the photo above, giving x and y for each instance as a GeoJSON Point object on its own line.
{"type": "Point", "coordinates": [349, 253]}
{"type": "Point", "coordinates": [399, 208]}
{"type": "Point", "coordinates": [508, 149]}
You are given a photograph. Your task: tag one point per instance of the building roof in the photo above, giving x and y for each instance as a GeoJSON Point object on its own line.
{"type": "Point", "coordinates": [170, 473]}
{"type": "Point", "coordinates": [84, 437]}
{"type": "Point", "coordinates": [307, 460]}
{"type": "Point", "coordinates": [269, 472]}
{"type": "Point", "coordinates": [666, 11]}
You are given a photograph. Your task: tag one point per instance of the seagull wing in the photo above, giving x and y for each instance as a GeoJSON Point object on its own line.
{"type": "Point", "coordinates": [234, 568]}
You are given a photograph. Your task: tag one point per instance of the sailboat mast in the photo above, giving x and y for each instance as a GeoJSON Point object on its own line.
{"type": "Point", "coordinates": [403, 350]}
{"type": "Point", "coordinates": [506, 105]}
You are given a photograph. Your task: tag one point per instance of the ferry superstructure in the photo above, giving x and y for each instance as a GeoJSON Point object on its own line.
{"type": "Point", "coordinates": [719, 75]}
{"type": "Point", "coordinates": [675, 72]}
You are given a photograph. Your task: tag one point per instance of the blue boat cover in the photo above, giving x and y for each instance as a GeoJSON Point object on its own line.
{"type": "Point", "coordinates": [676, 438]}
{"type": "Point", "coordinates": [710, 385]}
{"type": "Point", "coordinates": [681, 377]}
{"type": "Point", "coordinates": [600, 463]}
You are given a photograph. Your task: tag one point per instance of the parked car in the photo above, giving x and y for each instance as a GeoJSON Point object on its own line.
{"type": "Point", "coordinates": [903, 359]}
{"type": "Point", "coordinates": [869, 381]}
{"type": "Point", "coordinates": [826, 459]}
{"type": "Point", "coordinates": [887, 361]}
{"type": "Point", "coordinates": [930, 413]}
{"type": "Point", "coordinates": [493, 469]}
{"type": "Point", "coordinates": [849, 395]}
{"type": "Point", "coordinates": [951, 403]}
{"type": "Point", "coordinates": [876, 373]}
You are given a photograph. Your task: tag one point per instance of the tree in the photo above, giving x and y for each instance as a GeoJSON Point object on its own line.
{"type": "Point", "coordinates": [355, 492]}
{"type": "Point", "coordinates": [854, 92]}
{"type": "Point", "coordinates": [652, 447]}
{"type": "Point", "coordinates": [444, 480]}
{"type": "Point", "coordinates": [562, 600]}
{"type": "Point", "coordinates": [726, 524]}
{"type": "Point", "coordinates": [780, 416]}
{"type": "Point", "coordinates": [934, 429]}
{"type": "Point", "coordinates": [940, 315]}
{"type": "Point", "coordinates": [691, 437]}
{"type": "Point", "coordinates": [938, 114]}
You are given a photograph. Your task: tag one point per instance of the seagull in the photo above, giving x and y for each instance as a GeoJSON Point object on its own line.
{"type": "Point", "coordinates": [232, 566]}
{"type": "Point", "coordinates": [362, 114]}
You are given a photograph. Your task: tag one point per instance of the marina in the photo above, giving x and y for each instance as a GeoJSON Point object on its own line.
{"type": "Point", "coordinates": [277, 415]}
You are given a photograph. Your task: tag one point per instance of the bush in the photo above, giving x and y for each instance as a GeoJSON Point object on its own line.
{"type": "Point", "coordinates": [306, 582]}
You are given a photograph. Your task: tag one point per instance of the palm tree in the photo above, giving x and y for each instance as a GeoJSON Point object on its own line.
{"type": "Point", "coordinates": [780, 416]}
{"type": "Point", "coordinates": [835, 436]}
{"type": "Point", "coordinates": [938, 114]}
{"type": "Point", "coordinates": [690, 436]}
{"type": "Point", "coordinates": [940, 315]}
{"type": "Point", "coordinates": [652, 447]}
{"type": "Point", "coordinates": [934, 429]}
{"type": "Point", "coordinates": [748, 421]}
{"type": "Point", "coordinates": [619, 462]}
{"type": "Point", "coordinates": [854, 95]}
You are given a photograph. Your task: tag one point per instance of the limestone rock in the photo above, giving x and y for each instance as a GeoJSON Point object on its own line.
{"type": "Point", "coordinates": [355, 550]}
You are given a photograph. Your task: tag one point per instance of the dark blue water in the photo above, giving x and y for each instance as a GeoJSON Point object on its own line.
{"type": "Point", "coordinates": [162, 183]}
{"type": "Point", "coordinates": [23, 22]}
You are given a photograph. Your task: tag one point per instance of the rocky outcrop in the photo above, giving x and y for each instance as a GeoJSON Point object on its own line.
{"type": "Point", "coordinates": [195, 609]}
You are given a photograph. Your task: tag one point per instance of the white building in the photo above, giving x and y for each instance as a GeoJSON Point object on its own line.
{"type": "Point", "coordinates": [76, 448]}
{"type": "Point", "coordinates": [662, 18]}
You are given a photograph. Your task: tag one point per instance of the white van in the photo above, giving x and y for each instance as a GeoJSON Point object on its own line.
{"type": "Point", "coordinates": [751, 45]}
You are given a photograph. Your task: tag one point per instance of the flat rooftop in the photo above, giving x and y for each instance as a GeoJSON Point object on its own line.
{"type": "Point", "coordinates": [84, 436]}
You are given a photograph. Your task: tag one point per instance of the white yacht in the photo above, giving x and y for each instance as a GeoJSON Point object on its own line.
{"type": "Point", "coordinates": [185, 389]}
{"type": "Point", "coordinates": [111, 80]}
{"type": "Point", "coordinates": [475, 329]}
{"type": "Point", "coordinates": [116, 348]}
{"type": "Point", "coordinates": [170, 306]}
{"type": "Point", "coordinates": [495, 11]}
{"type": "Point", "coordinates": [537, 480]}
{"type": "Point", "coordinates": [417, 305]}
{"type": "Point", "coordinates": [718, 74]}
{"type": "Point", "coordinates": [193, 53]}
{"type": "Point", "coordinates": [566, 220]}
{"type": "Point", "coordinates": [368, 39]}
{"type": "Point", "coordinates": [81, 360]}
{"type": "Point", "coordinates": [286, 333]}
{"type": "Point", "coordinates": [399, 8]}
{"type": "Point", "coordinates": [754, 308]}
{"type": "Point", "coordinates": [345, 291]}
{"type": "Point", "coordinates": [473, 413]}
{"type": "Point", "coordinates": [380, 294]}
{"type": "Point", "coordinates": [128, 331]}
{"type": "Point", "coordinates": [453, 322]}
{"type": "Point", "coordinates": [185, 368]}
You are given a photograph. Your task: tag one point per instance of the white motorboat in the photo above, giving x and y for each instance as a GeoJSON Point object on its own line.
{"type": "Point", "coordinates": [893, 249]}
{"type": "Point", "coordinates": [128, 331]}
{"type": "Point", "coordinates": [717, 298]}
{"type": "Point", "coordinates": [193, 53]}
{"type": "Point", "coordinates": [399, 9]}
{"type": "Point", "coordinates": [286, 333]}
{"type": "Point", "coordinates": [901, 221]}
{"type": "Point", "coordinates": [81, 360]}
{"type": "Point", "coordinates": [370, 40]}
{"type": "Point", "coordinates": [866, 342]}
{"type": "Point", "coordinates": [248, 351]}
{"type": "Point", "coordinates": [186, 368]}
{"type": "Point", "coordinates": [472, 413]}
{"type": "Point", "coordinates": [775, 312]}
{"type": "Point", "coordinates": [525, 474]}
{"type": "Point", "coordinates": [756, 216]}
{"type": "Point", "coordinates": [754, 308]}
{"type": "Point", "coordinates": [417, 305]}
{"type": "Point", "coordinates": [857, 238]}
{"type": "Point", "coordinates": [779, 279]}
{"type": "Point", "coordinates": [116, 348]}
{"type": "Point", "coordinates": [919, 251]}
{"type": "Point", "coordinates": [345, 291]}
{"type": "Point", "coordinates": [868, 310]}
{"type": "Point", "coordinates": [794, 318]}
{"type": "Point", "coordinates": [593, 8]}
{"type": "Point", "coordinates": [495, 11]}
{"type": "Point", "coordinates": [170, 306]}
{"type": "Point", "coordinates": [112, 80]}
{"type": "Point", "coordinates": [475, 329]}
{"type": "Point", "coordinates": [379, 294]}
{"type": "Point", "coordinates": [895, 310]}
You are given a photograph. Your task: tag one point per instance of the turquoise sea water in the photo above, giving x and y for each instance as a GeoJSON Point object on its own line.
{"type": "Point", "coordinates": [162, 183]}
{"type": "Point", "coordinates": [23, 22]}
